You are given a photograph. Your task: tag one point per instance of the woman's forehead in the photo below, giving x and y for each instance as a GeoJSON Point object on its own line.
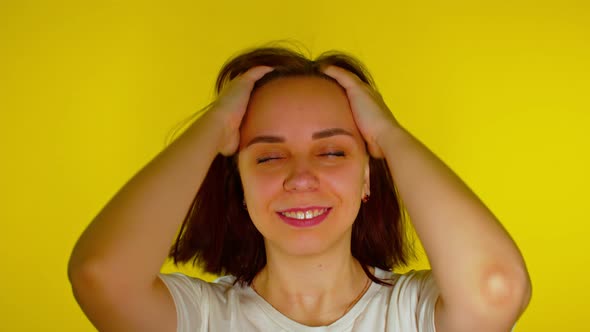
{"type": "Point", "coordinates": [294, 102]}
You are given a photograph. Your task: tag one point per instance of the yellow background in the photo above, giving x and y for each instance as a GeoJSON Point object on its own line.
{"type": "Point", "coordinates": [90, 90]}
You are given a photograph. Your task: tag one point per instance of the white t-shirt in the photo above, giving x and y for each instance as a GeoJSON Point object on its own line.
{"type": "Point", "coordinates": [406, 306]}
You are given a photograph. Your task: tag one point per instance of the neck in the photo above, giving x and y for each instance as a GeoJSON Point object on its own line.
{"type": "Point", "coordinates": [313, 290]}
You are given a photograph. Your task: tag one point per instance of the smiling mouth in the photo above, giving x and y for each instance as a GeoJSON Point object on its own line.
{"type": "Point", "coordinates": [304, 215]}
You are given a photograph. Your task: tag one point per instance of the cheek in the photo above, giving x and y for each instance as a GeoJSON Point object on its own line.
{"type": "Point", "coordinates": [262, 186]}
{"type": "Point", "coordinates": [259, 186]}
{"type": "Point", "coordinates": [347, 183]}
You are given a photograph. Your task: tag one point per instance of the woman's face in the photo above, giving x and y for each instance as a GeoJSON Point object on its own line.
{"type": "Point", "coordinates": [303, 165]}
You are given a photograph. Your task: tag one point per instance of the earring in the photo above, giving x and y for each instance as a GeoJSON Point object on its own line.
{"type": "Point", "coordinates": [244, 204]}
{"type": "Point", "coordinates": [365, 198]}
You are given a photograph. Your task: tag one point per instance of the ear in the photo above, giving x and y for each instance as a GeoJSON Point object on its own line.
{"type": "Point", "coordinates": [367, 180]}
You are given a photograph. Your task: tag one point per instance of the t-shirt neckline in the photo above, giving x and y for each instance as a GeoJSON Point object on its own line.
{"type": "Point", "coordinates": [341, 323]}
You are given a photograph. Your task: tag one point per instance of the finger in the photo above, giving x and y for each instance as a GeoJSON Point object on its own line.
{"type": "Point", "coordinates": [345, 78]}
{"type": "Point", "coordinates": [255, 73]}
{"type": "Point", "coordinates": [248, 78]}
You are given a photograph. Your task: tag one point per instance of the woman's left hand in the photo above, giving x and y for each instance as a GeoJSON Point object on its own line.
{"type": "Point", "coordinates": [371, 114]}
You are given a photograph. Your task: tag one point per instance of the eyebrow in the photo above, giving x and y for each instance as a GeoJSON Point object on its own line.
{"type": "Point", "coordinates": [317, 135]}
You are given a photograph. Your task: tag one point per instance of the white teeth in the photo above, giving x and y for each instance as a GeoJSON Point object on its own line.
{"type": "Point", "coordinates": [301, 215]}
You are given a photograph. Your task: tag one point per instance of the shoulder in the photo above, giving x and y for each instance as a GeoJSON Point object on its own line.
{"type": "Point", "coordinates": [414, 281]}
{"type": "Point", "coordinates": [183, 286]}
{"type": "Point", "coordinates": [412, 298]}
{"type": "Point", "coordinates": [411, 281]}
{"type": "Point", "coordinates": [195, 298]}
{"type": "Point", "coordinates": [180, 284]}
{"type": "Point", "coordinates": [416, 288]}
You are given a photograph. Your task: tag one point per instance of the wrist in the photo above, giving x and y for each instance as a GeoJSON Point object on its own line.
{"type": "Point", "coordinates": [209, 125]}
{"type": "Point", "coordinates": [390, 137]}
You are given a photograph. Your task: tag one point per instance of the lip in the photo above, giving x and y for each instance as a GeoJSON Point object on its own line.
{"type": "Point", "coordinates": [305, 222]}
{"type": "Point", "coordinates": [303, 209]}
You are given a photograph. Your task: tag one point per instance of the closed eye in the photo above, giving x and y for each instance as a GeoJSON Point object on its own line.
{"type": "Point", "coordinates": [265, 159]}
{"type": "Point", "coordinates": [262, 160]}
{"type": "Point", "coordinates": [335, 154]}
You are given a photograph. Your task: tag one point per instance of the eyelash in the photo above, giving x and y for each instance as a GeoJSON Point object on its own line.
{"type": "Point", "coordinates": [333, 154]}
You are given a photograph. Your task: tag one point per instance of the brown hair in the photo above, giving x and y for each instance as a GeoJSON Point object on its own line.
{"type": "Point", "coordinates": [217, 233]}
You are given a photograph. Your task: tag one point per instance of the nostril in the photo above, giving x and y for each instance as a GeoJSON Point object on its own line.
{"type": "Point", "coordinates": [301, 182]}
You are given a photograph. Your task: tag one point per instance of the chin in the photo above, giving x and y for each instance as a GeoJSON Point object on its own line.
{"type": "Point", "coordinates": [307, 242]}
{"type": "Point", "coordinates": [306, 245]}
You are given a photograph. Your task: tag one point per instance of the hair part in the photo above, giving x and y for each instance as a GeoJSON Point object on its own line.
{"type": "Point", "coordinates": [217, 233]}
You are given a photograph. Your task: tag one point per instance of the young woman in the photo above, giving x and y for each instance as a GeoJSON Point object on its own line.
{"type": "Point", "coordinates": [293, 180]}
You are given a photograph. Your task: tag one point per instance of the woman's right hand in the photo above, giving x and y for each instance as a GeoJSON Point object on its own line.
{"type": "Point", "coordinates": [230, 107]}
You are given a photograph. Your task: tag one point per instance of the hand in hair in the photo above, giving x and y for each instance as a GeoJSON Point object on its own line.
{"type": "Point", "coordinates": [231, 106]}
{"type": "Point", "coordinates": [371, 114]}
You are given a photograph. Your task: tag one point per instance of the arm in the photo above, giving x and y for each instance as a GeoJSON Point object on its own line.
{"type": "Point", "coordinates": [115, 264]}
{"type": "Point", "coordinates": [484, 285]}
{"type": "Point", "coordinates": [480, 272]}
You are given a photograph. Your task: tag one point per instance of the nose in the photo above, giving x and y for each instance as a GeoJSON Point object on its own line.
{"type": "Point", "coordinates": [300, 179]}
